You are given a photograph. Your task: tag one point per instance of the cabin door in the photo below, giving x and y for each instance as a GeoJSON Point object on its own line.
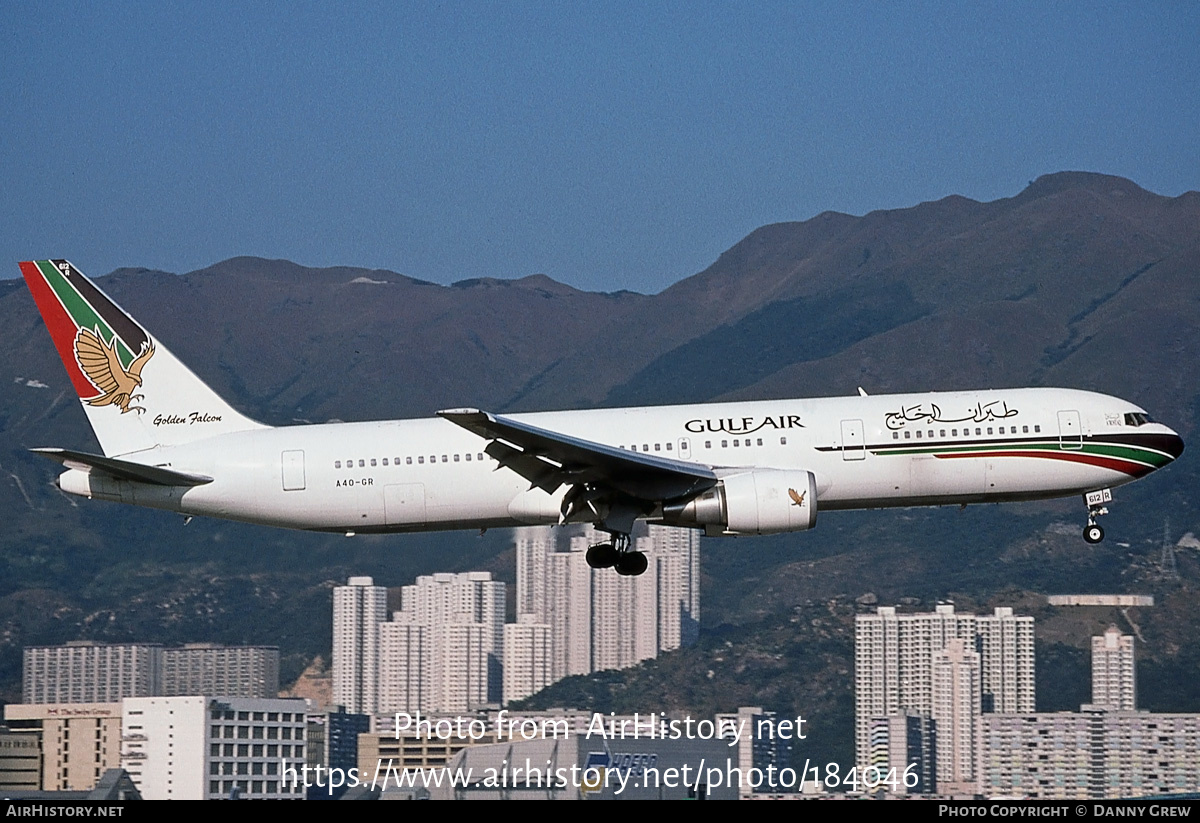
{"type": "Point", "coordinates": [1070, 433]}
{"type": "Point", "coordinates": [293, 470]}
{"type": "Point", "coordinates": [685, 449]}
{"type": "Point", "coordinates": [853, 441]}
{"type": "Point", "coordinates": [404, 504]}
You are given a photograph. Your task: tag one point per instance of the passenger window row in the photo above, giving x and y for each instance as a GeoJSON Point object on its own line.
{"type": "Point", "coordinates": [364, 462]}
{"type": "Point", "coordinates": [966, 432]}
{"type": "Point", "coordinates": [646, 447]}
{"type": "Point", "coordinates": [739, 442]}
{"type": "Point", "coordinates": [708, 444]}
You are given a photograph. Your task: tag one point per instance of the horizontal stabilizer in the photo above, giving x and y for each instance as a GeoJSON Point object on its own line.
{"type": "Point", "coordinates": [123, 469]}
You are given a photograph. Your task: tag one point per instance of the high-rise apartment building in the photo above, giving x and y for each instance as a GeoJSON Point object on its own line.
{"type": "Point", "coordinates": [1114, 681]}
{"type": "Point", "coordinates": [358, 609]}
{"type": "Point", "coordinates": [88, 672]}
{"type": "Point", "coordinates": [1005, 645]}
{"type": "Point", "coordinates": [601, 620]}
{"type": "Point", "coordinates": [448, 650]}
{"type": "Point", "coordinates": [466, 674]}
{"type": "Point", "coordinates": [1097, 752]}
{"type": "Point", "coordinates": [527, 657]}
{"type": "Point", "coordinates": [442, 652]}
{"type": "Point", "coordinates": [471, 597]}
{"type": "Point", "coordinates": [209, 668]}
{"type": "Point", "coordinates": [894, 659]}
{"type": "Point", "coordinates": [956, 712]}
{"type": "Point", "coordinates": [625, 610]}
{"type": "Point", "coordinates": [676, 554]}
{"type": "Point", "coordinates": [405, 666]}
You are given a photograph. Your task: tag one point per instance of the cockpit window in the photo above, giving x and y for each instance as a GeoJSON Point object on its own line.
{"type": "Point", "coordinates": [1137, 419]}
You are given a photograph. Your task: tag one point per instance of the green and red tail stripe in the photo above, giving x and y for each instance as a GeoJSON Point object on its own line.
{"type": "Point", "coordinates": [68, 302]}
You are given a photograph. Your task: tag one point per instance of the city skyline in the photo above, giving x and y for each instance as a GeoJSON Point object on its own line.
{"type": "Point", "coordinates": [922, 704]}
{"type": "Point", "coordinates": [447, 649]}
{"type": "Point", "coordinates": [956, 692]}
{"type": "Point", "coordinates": [896, 658]}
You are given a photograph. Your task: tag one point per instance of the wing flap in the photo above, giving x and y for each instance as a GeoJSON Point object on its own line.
{"type": "Point", "coordinates": [553, 458]}
{"type": "Point", "coordinates": [537, 471]}
{"type": "Point", "coordinates": [123, 469]}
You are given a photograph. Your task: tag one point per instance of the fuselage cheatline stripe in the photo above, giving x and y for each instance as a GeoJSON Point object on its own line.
{"type": "Point", "coordinates": [1124, 466]}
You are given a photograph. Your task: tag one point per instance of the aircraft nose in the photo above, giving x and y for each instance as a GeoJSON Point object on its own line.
{"type": "Point", "coordinates": [1173, 445]}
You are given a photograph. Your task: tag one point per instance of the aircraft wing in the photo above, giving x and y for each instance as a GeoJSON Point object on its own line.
{"type": "Point", "coordinates": [549, 459]}
{"type": "Point", "coordinates": [123, 469]}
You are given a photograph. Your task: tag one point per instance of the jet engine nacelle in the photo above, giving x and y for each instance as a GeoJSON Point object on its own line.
{"type": "Point", "coordinates": [762, 501]}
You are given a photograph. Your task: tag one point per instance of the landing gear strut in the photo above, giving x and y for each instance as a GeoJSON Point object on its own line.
{"type": "Point", "coordinates": [616, 554]}
{"type": "Point", "coordinates": [1092, 532]}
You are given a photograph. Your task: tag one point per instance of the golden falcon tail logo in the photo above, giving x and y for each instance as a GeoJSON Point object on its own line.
{"type": "Point", "coordinates": [797, 497]}
{"type": "Point", "coordinates": [99, 361]}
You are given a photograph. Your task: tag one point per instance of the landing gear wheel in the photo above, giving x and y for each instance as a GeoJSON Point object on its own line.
{"type": "Point", "coordinates": [1095, 501]}
{"type": "Point", "coordinates": [631, 564]}
{"type": "Point", "coordinates": [602, 556]}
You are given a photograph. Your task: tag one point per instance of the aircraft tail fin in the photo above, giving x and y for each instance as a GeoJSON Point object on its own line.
{"type": "Point", "coordinates": [136, 394]}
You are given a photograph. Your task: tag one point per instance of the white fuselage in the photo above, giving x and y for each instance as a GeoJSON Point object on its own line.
{"type": "Point", "coordinates": [864, 452]}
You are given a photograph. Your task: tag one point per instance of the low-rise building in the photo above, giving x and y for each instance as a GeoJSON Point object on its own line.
{"type": "Point", "coordinates": [207, 748]}
{"type": "Point", "coordinates": [79, 741]}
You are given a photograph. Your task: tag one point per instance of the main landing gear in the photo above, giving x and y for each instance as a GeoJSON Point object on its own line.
{"type": "Point", "coordinates": [616, 554]}
{"type": "Point", "coordinates": [1093, 532]}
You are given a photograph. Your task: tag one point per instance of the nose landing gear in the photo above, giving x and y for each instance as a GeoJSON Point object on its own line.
{"type": "Point", "coordinates": [1093, 532]}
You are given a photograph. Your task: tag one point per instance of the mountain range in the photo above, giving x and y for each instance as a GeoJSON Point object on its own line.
{"type": "Point", "coordinates": [1081, 280]}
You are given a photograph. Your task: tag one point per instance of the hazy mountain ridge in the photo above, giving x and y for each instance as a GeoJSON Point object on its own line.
{"type": "Point", "coordinates": [1052, 249]}
{"type": "Point", "coordinates": [1081, 280]}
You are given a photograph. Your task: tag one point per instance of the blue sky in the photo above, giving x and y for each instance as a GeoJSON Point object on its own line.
{"type": "Point", "coordinates": [609, 145]}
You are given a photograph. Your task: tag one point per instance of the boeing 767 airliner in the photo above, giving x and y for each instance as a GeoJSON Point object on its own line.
{"type": "Point", "coordinates": [747, 468]}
